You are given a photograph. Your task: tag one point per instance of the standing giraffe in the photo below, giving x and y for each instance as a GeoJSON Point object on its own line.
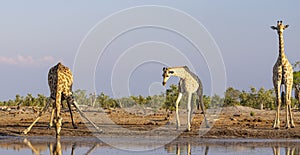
{"type": "Point", "coordinates": [60, 81]}
{"type": "Point", "coordinates": [189, 83]}
{"type": "Point", "coordinates": [282, 76]}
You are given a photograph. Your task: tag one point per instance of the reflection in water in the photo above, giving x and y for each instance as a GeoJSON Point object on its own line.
{"type": "Point", "coordinates": [56, 148]}
{"type": "Point", "coordinates": [180, 146]}
{"type": "Point", "coordinates": [183, 148]}
{"type": "Point", "coordinates": [34, 150]}
{"type": "Point", "coordinates": [293, 150]}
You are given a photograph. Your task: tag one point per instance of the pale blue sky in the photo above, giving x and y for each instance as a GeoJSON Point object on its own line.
{"type": "Point", "coordinates": [35, 35]}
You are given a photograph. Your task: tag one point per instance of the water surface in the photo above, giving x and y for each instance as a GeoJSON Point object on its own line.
{"type": "Point", "coordinates": [91, 145]}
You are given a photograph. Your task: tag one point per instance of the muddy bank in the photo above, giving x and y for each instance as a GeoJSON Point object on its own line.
{"type": "Point", "coordinates": [231, 122]}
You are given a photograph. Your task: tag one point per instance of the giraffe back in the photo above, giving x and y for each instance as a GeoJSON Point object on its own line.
{"type": "Point", "coordinates": [60, 80]}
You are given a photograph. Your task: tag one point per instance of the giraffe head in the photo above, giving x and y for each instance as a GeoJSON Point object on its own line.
{"type": "Point", "coordinates": [167, 72]}
{"type": "Point", "coordinates": [280, 27]}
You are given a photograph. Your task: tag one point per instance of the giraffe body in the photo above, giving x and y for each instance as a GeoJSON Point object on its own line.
{"type": "Point", "coordinates": [189, 83]}
{"type": "Point", "coordinates": [282, 80]}
{"type": "Point", "coordinates": [60, 80]}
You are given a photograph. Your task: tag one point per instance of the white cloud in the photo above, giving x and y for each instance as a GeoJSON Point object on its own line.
{"type": "Point", "coordinates": [26, 60]}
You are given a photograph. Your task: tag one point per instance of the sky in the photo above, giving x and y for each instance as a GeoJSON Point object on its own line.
{"type": "Point", "coordinates": [108, 53]}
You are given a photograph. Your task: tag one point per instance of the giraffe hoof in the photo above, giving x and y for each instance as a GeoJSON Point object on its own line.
{"type": "Point", "coordinates": [49, 127]}
{"type": "Point", "coordinates": [186, 130]}
{"type": "Point", "coordinates": [75, 126]}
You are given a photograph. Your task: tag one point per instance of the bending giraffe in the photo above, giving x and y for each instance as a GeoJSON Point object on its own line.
{"type": "Point", "coordinates": [189, 83]}
{"type": "Point", "coordinates": [282, 76]}
{"type": "Point", "coordinates": [60, 81]}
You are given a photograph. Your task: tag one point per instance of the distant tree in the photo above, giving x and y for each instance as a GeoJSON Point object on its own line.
{"type": "Point", "coordinates": [18, 99]}
{"type": "Point", "coordinates": [102, 99]}
{"type": "Point", "coordinates": [296, 81]}
{"type": "Point", "coordinates": [41, 100]}
{"type": "Point", "coordinates": [125, 102]}
{"type": "Point", "coordinates": [29, 100]}
{"type": "Point", "coordinates": [156, 101]}
{"type": "Point", "coordinates": [171, 96]}
{"type": "Point", "coordinates": [206, 101]}
{"type": "Point", "coordinates": [265, 98]}
{"type": "Point", "coordinates": [232, 97]}
{"type": "Point", "coordinates": [257, 99]}
{"type": "Point", "coordinates": [80, 97]}
{"type": "Point", "coordinates": [92, 99]}
{"type": "Point", "coordinates": [140, 100]}
{"type": "Point", "coordinates": [216, 101]}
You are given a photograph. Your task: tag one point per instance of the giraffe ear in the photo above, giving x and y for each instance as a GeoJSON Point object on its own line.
{"type": "Point", "coordinates": [286, 26]}
{"type": "Point", "coordinates": [274, 27]}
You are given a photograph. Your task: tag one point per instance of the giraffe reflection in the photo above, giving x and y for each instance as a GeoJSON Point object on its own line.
{"type": "Point", "coordinates": [288, 150]}
{"type": "Point", "coordinates": [183, 148]}
{"type": "Point", "coordinates": [55, 148]}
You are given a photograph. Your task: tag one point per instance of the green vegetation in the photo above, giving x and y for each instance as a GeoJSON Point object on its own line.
{"type": "Point", "coordinates": [296, 82]}
{"type": "Point", "coordinates": [259, 99]}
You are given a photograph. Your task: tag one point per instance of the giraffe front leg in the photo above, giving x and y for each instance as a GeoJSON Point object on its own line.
{"type": "Point", "coordinates": [51, 119]}
{"type": "Point", "coordinates": [276, 124]}
{"type": "Point", "coordinates": [58, 124]}
{"type": "Point", "coordinates": [189, 109]}
{"type": "Point", "coordinates": [39, 116]}
{"type": "Point", "coordinates": [58, 119]}
{"type": "Point", "coordinates": [52, 113]}
{"type": "Point", "coordinates": [177, 115]}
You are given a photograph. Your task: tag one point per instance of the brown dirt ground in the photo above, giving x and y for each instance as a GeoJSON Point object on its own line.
{"type": "Point", "coordinates": [233, 122]}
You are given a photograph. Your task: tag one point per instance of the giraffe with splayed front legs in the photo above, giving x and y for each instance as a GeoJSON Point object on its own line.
{"type": "Point", "coordinates": [60, 80]}
{"type": "Point", "coordinates": [282, 80]}
{"type": "Point", "coordinates": [189, 83]}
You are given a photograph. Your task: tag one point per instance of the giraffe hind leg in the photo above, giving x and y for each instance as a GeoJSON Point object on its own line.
{"type": "Point", "coordinates": [289, 108]}
{"type": "Point", "coordinates": [70, 101]}
{"type": "Point", "coordinates": [189, 109]}
{"type": "Point", "coordinates": [51, 119]}
{"type": "Point", "coordinates": [58, 118]}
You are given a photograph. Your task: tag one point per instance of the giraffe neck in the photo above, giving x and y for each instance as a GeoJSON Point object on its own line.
{"type": "Point", "coordinates": [180, 72]}
{"type": "Point", "coordinates": [281, 47]}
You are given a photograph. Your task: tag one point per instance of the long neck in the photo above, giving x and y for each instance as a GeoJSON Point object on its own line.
{"type": "Point", "coordinates": [179, 72]}
{"type": "Point", "coordinates": [281, 46]}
